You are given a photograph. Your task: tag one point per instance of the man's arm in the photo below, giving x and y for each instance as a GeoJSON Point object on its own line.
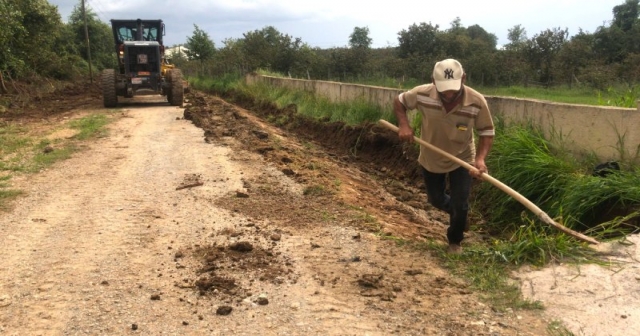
{"type": "Point", "coordinates": [405, 132]}
{"type": "Point", "coordinates": [484, 146]}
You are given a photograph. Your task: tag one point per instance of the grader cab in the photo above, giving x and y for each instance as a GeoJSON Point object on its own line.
{"type": "Point", "coordinates": [142, 67]}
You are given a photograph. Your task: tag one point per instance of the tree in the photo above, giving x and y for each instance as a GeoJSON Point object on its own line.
{"type": "Point", "coordinates": [306, 60]}
{"type": "Point", "coordinates": [575, 56]}
{"type": "Point", "coordinates": [100, 38]}
{"type": "Point", "coordinates": [517, 37]}
{"type": "Point", "coordinates": [199, 46]}
{"type": "Point", "coordinates": [29, 37]}
{"type": "Point", "coordinates": [478, 33]}
{"type": "Point", "coordinates": [616, 42]}
{"type": "Point", "coordinates": [625, 16]}
{"type": "Point", "coordinates": [360, 48]}
{"type": "Point", "coordinates": [456, 27]}
{"type": "Point", "coordinates": [418, 40]}
{"type": "Point", "coordinates": [610, 43]}
{"type": "Point", "coordinates": [543, 49]}
{"type": "Point", "coordinates": [359, 38]}
{"type": "Point", "coordinates": [10, 21]}
{"type": "Point", "coordinates": [231, 56]}
{"type": "Point", "coordinates": [268, 48]}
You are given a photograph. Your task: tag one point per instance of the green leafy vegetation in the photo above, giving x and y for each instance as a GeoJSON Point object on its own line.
{"type": "Point", "coordinates": [36, 42]}
{"type": "Point", "coordinates": [303, 102]}
{"type": "Point", "coordinates": [90, 126]}
{"type": "Point", "coordinates": [561, 184]}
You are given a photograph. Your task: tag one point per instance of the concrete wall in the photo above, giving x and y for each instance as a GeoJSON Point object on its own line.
{"type": "Point", "coordinates": [601, 130]}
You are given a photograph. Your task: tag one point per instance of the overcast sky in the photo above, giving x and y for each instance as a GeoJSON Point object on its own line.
{"type": "Point", "coordinates": [328, 23]}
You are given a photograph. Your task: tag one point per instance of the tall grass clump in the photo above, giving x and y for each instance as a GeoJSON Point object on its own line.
{"type": "Point", "coordinates": [622, 97]}
{"type": "Point", "coordinates": [523, 159]}
{"type": "Point", "coordinates": [605, 205]}
{"type": "Point", "coordinates": [559, 183]}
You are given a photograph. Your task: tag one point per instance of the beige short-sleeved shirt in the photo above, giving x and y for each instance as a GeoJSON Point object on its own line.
{"type": "Point", "coordinates": [453, 131]}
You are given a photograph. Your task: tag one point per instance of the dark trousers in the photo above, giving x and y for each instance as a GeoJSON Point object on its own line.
{"type": "Point", "coordinates": [455, 203]}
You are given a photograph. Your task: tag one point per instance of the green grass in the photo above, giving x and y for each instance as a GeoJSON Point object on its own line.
{"type": "Point", "coordinates": [317, 190]}
{"type": "Point", "coordinates": [6, 194]}
{"type": "Point", "coordinates": [91, 126]}
{"type": "Point", "coordinates": [316, 107]}
{"type": "Point", "coordinates": [305, 103]}
{"type": "Point", "coordinates": [23, 152]}
{"type": "Point", "coordinates": [556, 328]}
{"type": "Point", "coordinates": [560, 184]}
{"type": "Point", "coordinates": [42, 160]}
{"type": "Point", "coordinates": [218, 84]}
{"type": "Point", "coordinates": [621, 96]}
{"type": "Point", "coordinates": [14, 147]}
{"type": "Point", "coordinates": [561, 95]}
{"type": "Point", "coordinates": [488, 266]}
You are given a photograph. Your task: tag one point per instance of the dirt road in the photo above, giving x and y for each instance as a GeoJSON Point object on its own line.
{"type": "Point", "coordinates": [161, 228]}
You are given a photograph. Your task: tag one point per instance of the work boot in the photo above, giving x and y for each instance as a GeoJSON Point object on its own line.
{"type": "Point", "coordinates": [454, 249]}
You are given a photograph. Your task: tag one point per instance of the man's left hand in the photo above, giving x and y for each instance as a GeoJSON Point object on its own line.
{"type": "Point", "coordinates": [481, 168]}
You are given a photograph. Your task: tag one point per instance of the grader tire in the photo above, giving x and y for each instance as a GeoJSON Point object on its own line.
{"type": "Point", "coordinates": [168, 91]}
{"type": "Point", "coordinates": [109, 94]}
{"type": "Point", "coordinates": [176, 92]}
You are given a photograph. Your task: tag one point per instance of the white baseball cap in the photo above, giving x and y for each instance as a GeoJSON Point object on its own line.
{"type": "Point", "coordinates": [447, 75]}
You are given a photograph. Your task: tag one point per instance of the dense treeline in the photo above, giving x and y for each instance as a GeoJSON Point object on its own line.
{"type": "Point", "coordinates": [600, 59]}
{"type": "Point", "coordinates": [36, 42]}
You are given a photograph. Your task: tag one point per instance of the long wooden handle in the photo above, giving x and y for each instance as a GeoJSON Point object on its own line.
{"type": "Point", "coordinates": [534, 208]}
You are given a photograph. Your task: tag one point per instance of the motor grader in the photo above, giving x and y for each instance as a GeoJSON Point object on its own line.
{"type": "Point", "coordinates": [142, 67]}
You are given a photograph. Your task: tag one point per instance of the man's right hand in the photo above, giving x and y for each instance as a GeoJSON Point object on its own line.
{"type": "Point", "coordinates": [405, 133]}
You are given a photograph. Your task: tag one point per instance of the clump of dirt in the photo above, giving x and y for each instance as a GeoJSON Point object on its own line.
{"type": "Point", "coordinates": [221, 265]}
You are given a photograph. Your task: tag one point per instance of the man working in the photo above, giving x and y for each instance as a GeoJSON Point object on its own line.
{"type": "Point", "coordinates": [450, 111]}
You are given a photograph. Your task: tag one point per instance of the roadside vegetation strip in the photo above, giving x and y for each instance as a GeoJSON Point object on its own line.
{"type": "Point", "coordinates": [562, 184]}
{"type": "Point", "coordinates": [23, 151]}
{"type": "Point", "coordinates": [306, 103]}
{"type": "Point", "coordinates": [611, 96]}
{"type": "Point", "coordinates": [620, 96]}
